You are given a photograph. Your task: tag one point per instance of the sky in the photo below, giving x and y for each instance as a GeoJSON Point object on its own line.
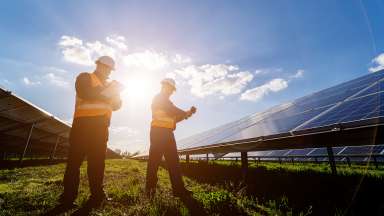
{"type": "Point", "coordinates": [229, 58]}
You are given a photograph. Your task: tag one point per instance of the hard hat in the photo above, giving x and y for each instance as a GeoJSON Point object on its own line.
{"type": "Point", "coordinates": [106, 60]}
{"type": "Point", "coordinates": [169, 81]}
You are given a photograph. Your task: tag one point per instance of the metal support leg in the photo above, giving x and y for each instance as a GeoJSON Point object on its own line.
{"type": "Point", "coordinates": [331, 160]}
{"type": "Point", "coordinates": [349, 161]}
{"type": "Point", "coordinates": [52, 156]}
{"type": "Point", "coordinates": [187, 158]}
{"type": "Point", "coordinates": [207, 157]}
{"type": "Point", "coordinates": [244, 165]}
{"type": "Point", "coordinates": [26, 144]}
{"type": "Point", "coordinates": [375, 162]}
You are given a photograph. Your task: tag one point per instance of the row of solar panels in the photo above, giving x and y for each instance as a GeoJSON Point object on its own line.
{"type": "Point", "coordinates": [26, 128]}
{"type": "Point", "coordinates": [314, 152]}
{"type": "Point", "coordinates": [358, 102]}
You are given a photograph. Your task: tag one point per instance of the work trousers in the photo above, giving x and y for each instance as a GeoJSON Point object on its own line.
{"type": "Point", "coordinates": [163, 144]}
{"type": "Point", "coordinates": [88, 138]}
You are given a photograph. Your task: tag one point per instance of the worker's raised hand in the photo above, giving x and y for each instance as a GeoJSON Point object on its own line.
{"type": "Point", "coordinates": [193, 110]}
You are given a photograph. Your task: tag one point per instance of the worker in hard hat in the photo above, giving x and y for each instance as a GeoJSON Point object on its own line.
{"type": "Point", "coordinates": [165, 115]}
{"type": "Point", "coordinates": [96, 99]}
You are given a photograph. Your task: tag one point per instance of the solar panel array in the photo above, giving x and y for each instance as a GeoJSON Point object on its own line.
{"type": "Point", "coordinates": [357, 100]}
{"type": "Point", "coordinates": [21, 122]}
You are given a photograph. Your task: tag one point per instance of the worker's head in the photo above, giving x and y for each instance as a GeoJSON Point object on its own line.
{"type": "Point", "coordinates": [168, 86]}
{"type": "Point", "coordinates": [104, 66]}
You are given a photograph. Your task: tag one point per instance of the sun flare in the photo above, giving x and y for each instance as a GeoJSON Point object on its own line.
{"type": "Point", "coordinates": [138, 90]}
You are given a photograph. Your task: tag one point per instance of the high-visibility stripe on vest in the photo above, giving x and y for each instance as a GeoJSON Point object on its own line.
{"type": "Point", "coordinates": [89, 108]}
{"type": "Point", "coordinates": [161, 119]}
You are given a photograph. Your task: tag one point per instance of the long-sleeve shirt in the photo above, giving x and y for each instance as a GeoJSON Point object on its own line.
{"type": "Point", "coordinates": [162, 102]}
{"type": "Point", "coordinates": [86, 91]}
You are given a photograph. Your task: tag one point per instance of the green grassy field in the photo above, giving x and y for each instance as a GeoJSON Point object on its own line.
{"type": "Point", "coordinates": [34, 190]}
{"type": "Point", "coordinates": [343, 169]}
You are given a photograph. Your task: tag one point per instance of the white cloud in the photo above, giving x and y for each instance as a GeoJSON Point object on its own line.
{"type": "Point", "coordinates": [56, 80]}
{"type": "Point", "coordinates": [378, 61]}
{"type": "Point", "coordinates": [299, 74]}
{"type": "Point", "coordinates": [28, 82]}
{"type": "Point", "coordinates": [220, 79]}
{"type": "Point", "coordinates": [259, 92]}
{"type": "Point", "coordinates": [179, 59]}
{"type": "Point", "coordinates": [74, 50]}
{"type": "Point", "coordinates": [117, 41]}
{"type": "Point", "coordinates": [81, 52]}
{"type": "Point", "coordinates": [47, 76]}
{"type": "Point", "coordinates": [147, 60]}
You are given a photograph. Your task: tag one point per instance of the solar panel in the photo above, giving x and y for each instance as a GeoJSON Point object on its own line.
{"type": "Point", "coordinates": [20, 118]}
{"type": "Point", "coordinates": [356, 150]}
{"type": "Point", "coordinates": [355, 100]}
{"type": "Point", "coordinates": [299, 152]}
{"type": "Point", "coordinates": [280, 123]}
{"type": "Point", "coordinates": [350, 101]}
{"type": "Point", "coordinates": [323, 151]}
{"type": "Point", "coordinates": [365, 107]}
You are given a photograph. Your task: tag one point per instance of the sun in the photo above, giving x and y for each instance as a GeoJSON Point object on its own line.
{"type": "Point", "coordinates": [138, 90]}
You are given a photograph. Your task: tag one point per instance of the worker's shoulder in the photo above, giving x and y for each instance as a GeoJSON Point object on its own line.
{"type": "Point", "coordinates": [83, 75]}
{"type": "Point", "coordinates": [159, 98]}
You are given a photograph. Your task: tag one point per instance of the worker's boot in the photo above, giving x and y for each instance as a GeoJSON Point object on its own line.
{"type": "Point", "coordinates": [96, 201]}
{"type": "Point", "coordinates": [63, 206]}
{"type": "Point", "coordinates": [66, 203]}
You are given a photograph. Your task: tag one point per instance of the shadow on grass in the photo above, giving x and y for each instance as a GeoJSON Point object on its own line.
{"type": "Point", "coordinates": [326, 194]}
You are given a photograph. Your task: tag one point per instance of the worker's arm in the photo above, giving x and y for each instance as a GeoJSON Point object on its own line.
{"type": "Point", "coordinates": [188, 114]}
{"type": "Point", "coordinates": [167, 106]}
{"type": "Point", "coordinates": [86, 91]}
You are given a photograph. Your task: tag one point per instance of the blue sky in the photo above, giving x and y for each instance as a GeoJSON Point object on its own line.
{"type": "Point", "coordinates": [229, 58]}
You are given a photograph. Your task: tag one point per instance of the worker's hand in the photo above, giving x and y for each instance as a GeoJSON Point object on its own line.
{"type": "Point", "coordinates": [193, 110]}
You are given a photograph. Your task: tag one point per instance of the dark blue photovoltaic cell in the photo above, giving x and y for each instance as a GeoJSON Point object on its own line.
{"type": "Point", "coordinates": [338, 151]}
{"type": "Point", "coordinates": [356, 109]}
{"type": "Point", "coordinates": [277, 153]}
{"type": "Point", "coordinates": [349, 101]}
{"type": "Point", "coordinates": [355, 150]}
{"type": "Point", "coordinates": [300, 152]}
{"type": "Point", "coordinates": [323, 151]}
{"type": "Point", "coordinates": [280, 123]}
{"type": "Point", "coordinates": [219, 133]}
{"type": "Point", "coordinates": [376, 88]}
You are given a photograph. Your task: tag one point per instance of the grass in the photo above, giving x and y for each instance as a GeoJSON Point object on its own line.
{"type": "Point", "coordinates": [342, 169]}
{"type": "Point", "coordinates": [34, 190]}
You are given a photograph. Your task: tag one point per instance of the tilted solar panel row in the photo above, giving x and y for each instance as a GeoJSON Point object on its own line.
{"type": "Point", "coordinates": [355, 100]}
{"type": "Point", "coordinates": [364, 151]}
{"type": "Point", "coordinates": [29, 130]}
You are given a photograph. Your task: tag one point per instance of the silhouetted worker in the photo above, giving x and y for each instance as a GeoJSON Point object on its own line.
{"type": "Point", "coordinates": [165, 115]}
{"type": "Point", "coordinates": [96, 98]}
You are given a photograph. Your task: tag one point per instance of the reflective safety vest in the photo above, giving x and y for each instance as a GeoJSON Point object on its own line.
{"type": "Point", "coordinates": [161, 119]}
{"type": "Point", "coordinates": [89, 108]}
